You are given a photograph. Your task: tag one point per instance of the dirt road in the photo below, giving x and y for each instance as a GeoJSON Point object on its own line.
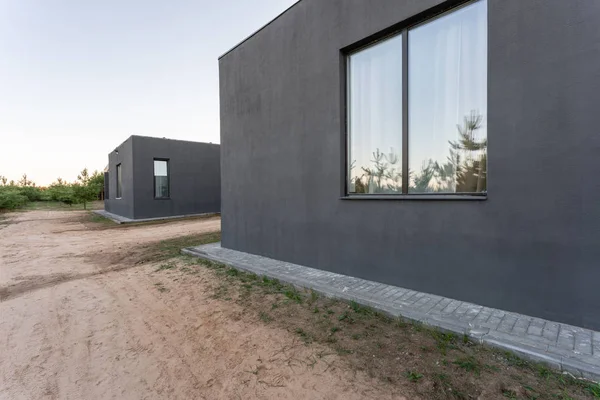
{"type": "Point", "coordinates": [80, 318]}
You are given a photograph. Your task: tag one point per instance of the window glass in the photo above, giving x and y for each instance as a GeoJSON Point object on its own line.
{"type": "Point", "coordinates": [119, 182]}
{"type": "Point", "coordinates": [161, 179]}
{"type": "Point", "coordinates": [447, 91]}
{"type": "Point", "coordinates": [446, 114]}
{"type": "Point", "coordinates": [375, 118]}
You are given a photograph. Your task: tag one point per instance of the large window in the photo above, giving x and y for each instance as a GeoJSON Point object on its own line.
{"type": "Point", "coordinates": [119, 182]}
{"type": "Point", "coordinates": [161, 179]}
{"type": "Point", "coordinates": [417, 105]}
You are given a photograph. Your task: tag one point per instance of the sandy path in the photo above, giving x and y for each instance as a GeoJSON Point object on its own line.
{"type": "Point", "coordinates": [72, 329]}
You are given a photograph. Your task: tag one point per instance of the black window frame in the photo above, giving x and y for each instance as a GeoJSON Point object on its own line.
{"type": "Point", "coordinates": [168, 161]}
{"type": "Point", "coordinates": [403, 29]}
{"type": "Point", "coordinates": [119, 176]}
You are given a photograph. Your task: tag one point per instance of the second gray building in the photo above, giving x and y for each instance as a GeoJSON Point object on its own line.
{"type": "Point", "coordinates": [156, 178]}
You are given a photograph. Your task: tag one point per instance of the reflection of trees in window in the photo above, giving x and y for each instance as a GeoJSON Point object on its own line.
{"type": "Point", "coordinates": [383, 177]}
{"type": "Point", "coordinates": [465, 170]}
{"type": "Point", "coordinates": [471, 173]}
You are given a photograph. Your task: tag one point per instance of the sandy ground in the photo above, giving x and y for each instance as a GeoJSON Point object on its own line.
{"type": "Point", "coordinates": [79, 319]}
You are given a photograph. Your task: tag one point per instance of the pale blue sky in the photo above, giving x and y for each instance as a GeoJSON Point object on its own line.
{"type": "Point", "coordinates": [77, 77]}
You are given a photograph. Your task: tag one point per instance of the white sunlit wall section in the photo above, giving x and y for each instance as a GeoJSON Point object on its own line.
{"type": "Point", "coordinates": [446, 110]}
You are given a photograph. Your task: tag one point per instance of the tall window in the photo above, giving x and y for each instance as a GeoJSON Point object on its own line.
{"type": "Point", "coordinates": [119, 182]}
{"type": "Point", "coordinates": [421, 130]}
{"type": "Point", "coordinates": [161, 179]}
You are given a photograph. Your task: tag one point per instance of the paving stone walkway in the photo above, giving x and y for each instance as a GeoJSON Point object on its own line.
{"type": "Point", "coordinates": [119, 219]}
{"type": "Point", "coordinates": [561, 346]}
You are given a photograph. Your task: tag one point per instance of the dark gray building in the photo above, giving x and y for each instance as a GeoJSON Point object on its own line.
{"type": "Point", "coordinates": [356, 137]}
{"type": "Point", "coordinates": [155, 178]}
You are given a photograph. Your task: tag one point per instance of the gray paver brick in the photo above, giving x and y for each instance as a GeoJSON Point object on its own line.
{"type": "Point", "coordinates": [570, 348]}
{"type": "Point", "coordinates": [454, 304]}
{"type": "Point", "coordinates": [583, 342]}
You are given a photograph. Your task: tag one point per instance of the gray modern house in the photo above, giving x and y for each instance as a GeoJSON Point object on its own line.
{"type": "Point", "coordinates": [156, 178]}
{"type": "Point", "coordinates": [450, 147]}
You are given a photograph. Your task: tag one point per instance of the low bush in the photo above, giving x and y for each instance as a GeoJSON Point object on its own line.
{"type": "Point", "coordinates": [12, 198]}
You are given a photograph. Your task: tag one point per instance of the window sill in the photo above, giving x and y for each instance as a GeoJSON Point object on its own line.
{"type": "Point", "coordinates": [162, 198]}
{"type": "Point", "coordinates": [435, 197]}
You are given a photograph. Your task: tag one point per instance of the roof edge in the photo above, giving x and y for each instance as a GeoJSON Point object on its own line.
{"type": "Point", "coordinates": [259, 29]}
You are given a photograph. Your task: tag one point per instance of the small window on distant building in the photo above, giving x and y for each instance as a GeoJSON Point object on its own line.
{"type": "Point", "coordinates": [161, 179]}
{"type": "Point", "coordinates": [119, 182]}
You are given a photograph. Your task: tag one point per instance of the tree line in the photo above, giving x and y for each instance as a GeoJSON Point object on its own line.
{"type": "Point", "coordinates": [465, 170]}
{"type": "Point", "coordinates": [88, 187]}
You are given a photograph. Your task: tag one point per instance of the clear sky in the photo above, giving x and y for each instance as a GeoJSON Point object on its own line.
{"type": "Point", "coordinates": [78, 77]}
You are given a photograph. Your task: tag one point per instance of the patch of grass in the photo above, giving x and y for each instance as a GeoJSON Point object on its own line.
{"type": "Point", "coordinates": [469, 364]}
{"type": "Point", "coordinates": [335, 329]}
{"type": "Point", "coordinates": [232, 272]}
{"type": "Point", "coordinates": [530, 393]}
{"type": "Point", "coordinates": [171, 248]}
{"type": "Point", "coordinates": [342, 351]}
{"type": "Point", "coordinates": [291, 293]}
{"type": "Point", "coordinates": [564, 395]}
{"type": "Point", "coordinates": [161, 287]}
{"type": "Point", "coordinates": [417, 326]}
{"type": "Point", "coordinates": [401, 323]}
{"type": "Point", "coordinates": [509, 394]}
{"type": "Point", "coordinates": [264, 317]}
{"type": "Point", "coordinates": [211, 264]}
{"type": "Point", "coordinates": [444, 341]}
{"type": "Point", "coordinates": [414, 376]}
{"type": "Point", "coordinates": [60, 206]}
{"type": "Point", "coordinates": [164, 267]}
{"type": "Point", "coordinates": [491, 368]}
{"type": "Point", "coordinates": [99, 219]}
{"type": "Point", "coordinates": [314, 296]}
{"type": "Point", "coordinates": [543, 371]}
{"type": "Point", "coordinates": [357, 308]}
{"type": "Point", "coordinates": [346, 317]}
{"type": "Point", "coordinates": [222, 292]}
{"type": "Point", "coordinates": [306, 338]}
{"type": "Point", "coordinates": [272, 284]}
{"type": "Point", "coordinates": [515, 360]}
{"type": "Point", "coordinates": [594, 389]}
{"type": "Point", "coordinates": [249, 277]}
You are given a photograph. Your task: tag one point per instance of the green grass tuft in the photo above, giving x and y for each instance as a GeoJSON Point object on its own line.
{"type": "Point", "coordinates": [414, 376]}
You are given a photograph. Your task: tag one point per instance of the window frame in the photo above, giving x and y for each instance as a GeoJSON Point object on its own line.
{"type": "Point", "coordinates": [168, 161]}
{"type": "Point", "coordinates": [402, 28]}
{"type": "Point", "coordinates": [119, 176]}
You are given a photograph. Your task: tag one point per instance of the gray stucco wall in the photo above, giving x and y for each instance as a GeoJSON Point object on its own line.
{"type": "Point", "coordinates": [124, 205]}
{"type": "Point", "coordinates": [532, 247]}
{"type": "Point", "coordinates": [194, 172]}
{"type": "Point", "coordinates": [195, 177]}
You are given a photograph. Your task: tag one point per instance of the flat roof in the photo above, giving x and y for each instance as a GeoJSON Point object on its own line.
{"type": "Point", "coordinates": [260, 29]}
{"type": "Point", "coordinates": [162, 138]}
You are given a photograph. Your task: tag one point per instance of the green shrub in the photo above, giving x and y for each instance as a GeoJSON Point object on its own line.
{"type": "Point", "coordinates": [31, 192]}
{"type": "Point", "coordinates": [11, 198]}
